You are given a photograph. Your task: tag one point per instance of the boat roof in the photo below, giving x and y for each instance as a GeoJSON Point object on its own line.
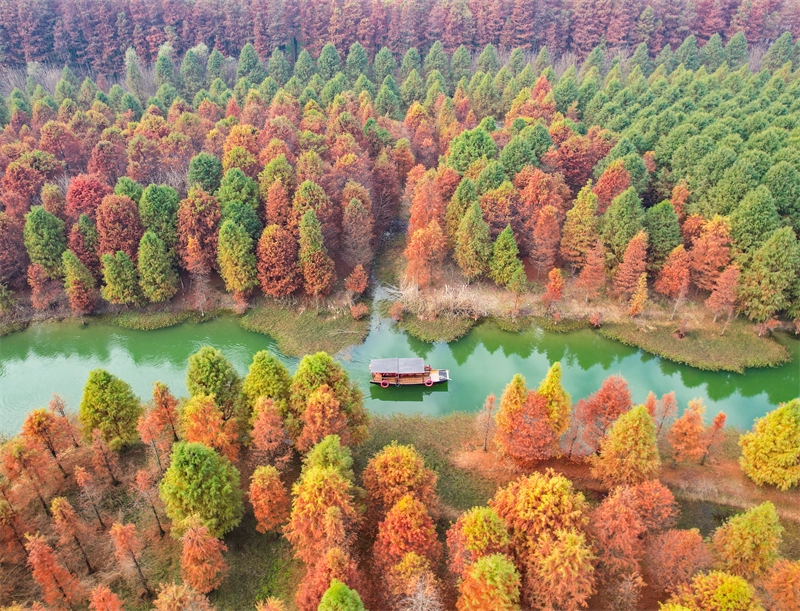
{"type": "Point", "coordinates": [396, 365]}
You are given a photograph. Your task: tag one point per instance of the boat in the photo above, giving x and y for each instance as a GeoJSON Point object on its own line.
{"type": "Point", "coordinates": [405, 372]}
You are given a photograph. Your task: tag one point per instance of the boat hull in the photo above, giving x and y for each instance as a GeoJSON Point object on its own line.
{"type": "Point", "coordinates": [429, 378]}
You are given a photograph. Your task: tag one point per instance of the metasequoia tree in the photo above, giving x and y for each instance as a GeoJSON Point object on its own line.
{"type": "Point", "coordinates": [771, 450]}
{"type": "Point", "coordinates": [79, 284]}
{"type": "Point", "coordinates": [338, 597]}
{"type": "Point", "coordinates": [323, 416]}
{"type": "Point", "coordinates": [747, 544]}
{"type": "Point", "coordinates": [43, 430]}
{"type": "Point", "coordinates": [58, 407]}
{"type": "Point", "coordinates": [71, 528]}
{"type": "Point", "coordinates": [128, 549]}
{"type": "Point", "coordinates": [661, 410]}
{"type": "Point", "coordinates": [59, 586]}
{"type": "Point", "coordinates": [174, 597]}
{"type": "Point", "coordinates": [336, 564]}
{"type": "Point", "coordinates": [202, 422]}
{"type": "Point", "coordinates": [270, 441]}
{"type": "Point", "coordinates": [639, 297]}
{"type": "Point", "coordinates": [723, 297]}
{"type": "Point", "coordinates": [593, 275]}
{"type": "Point", "coordinates": [598, 411]}
{"type": "Point", "coordinates": [579, 233]}
{"type": "Point", "coordinates": [268, 496]}
{"type": "Point", "coordinates": [674, 557]}
{"type": "Point", "coordinates": [617, 530]}
{"type": "Point", "coordinates": [710, 253]}
{"type": "Point", "coordinates": [485, 422]}
{"type": "Point", "coordinates": [145, 490]}
{"type": "Point", "coordinates": [425, 251]}
{"type": "Point", "coordinates": [109, 405]}
{"type": "Point", "coordinates": [714, 591]}
{"type": "Point", "coordinates": [24, 464]}
{"type": "Point", "coordinates": [202, 566]}
{"type": "Point", "coordinates": [491, 583]}
{"type": "Point", "coordinates": [90, 493]}
{"type": "Point", "coordinates": [210, 373]}
{"type": "Point", "coordinates": [407, 527]}
{"type": "Point", "coordinates": [118, 226]}
{"type": "Point", "coordinates": [12, 531]}
{"type": "Point", "coordinates": [673, 279]}
{"type": "Point", "coordinates": [634, 263]}
{"type": "Point", "coordinates": [276, 255]}
{"type": "Point", "coordinates": [783, 585]}
{"type": "Point", "coordinates": [478, 532]}
{"type": "Point", "coordinates": [43, 293]}
{"type": "Point", "coordinates": [554, 289]}
{"type": "Point", "coordinates": [629, 452]}
{"type": "Point", "coordinates": [564, 573]}
{"type": "Point", "coordinates": [102, 598]}
{"type": "Point", "coordinates": [316, 265]}
{"type": "Point", "coordinates": [524, 431]}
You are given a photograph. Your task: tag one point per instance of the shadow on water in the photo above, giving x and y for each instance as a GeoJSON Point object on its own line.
{"type": "Point", "coordinates": [57, 357]}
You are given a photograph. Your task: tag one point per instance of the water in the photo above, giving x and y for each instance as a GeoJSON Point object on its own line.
{"type": "Point", "coordinates": [57, 357]}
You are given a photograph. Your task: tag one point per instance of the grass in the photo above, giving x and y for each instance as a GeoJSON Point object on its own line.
{"type": "Point", "coordinates": [305, 331]}
{"type": "Point", "coordinates": [7, 328]}
{"type": "Point", "coordinates": [389, 262]}
{"type": "Point", "coordinates": [705, 349]}
{"type": "Point", "coordinates": [149, 321]}
{"type": "Point", "coordinates": [445, 328]}
{"type": "Point", "coordinates": [565, 325]}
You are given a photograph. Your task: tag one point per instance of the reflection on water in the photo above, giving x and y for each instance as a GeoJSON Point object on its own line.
{"type": "Point", "coordinates": [56, 357]}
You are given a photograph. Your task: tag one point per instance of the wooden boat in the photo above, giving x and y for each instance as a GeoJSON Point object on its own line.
{"type": "Point", "coordinates": [405, 372]}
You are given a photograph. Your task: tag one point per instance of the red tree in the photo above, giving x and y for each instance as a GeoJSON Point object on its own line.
{"type": "Point", "coordinates": [424, 252]}
{"type": "Point", "coordinates": [614, 180]}
{"type": "Point", "coordinates": [43, 430]}
{"type": "Point", "coordinates": [634, 263]}
{"type": "Point", "coordinates": [128, 549]}
{"type": "Point", "coordinates": [59, 586]}
{"type": "Point", "coordinates": [13, 256]}
{"type": "Point", "coordinates": [673, 279]}
{"type": "Point", "coordinates": [202, 566]}
{"type": "Point", "coordinates": [269, 499]}
{"type": "Point", "coordinates": [84, 195]}
{"type": "Point", "coordinates": [84, 250]}
{"type": "Point", "coordinates": [662, 410]}
{"type": "Point", "coordinates": [546, 238]}
{"type": "Point", "coordinates": [710, 253]}
{"type": "Point", "coordinates": [323, 416]}
{"type": "Point", "coordinates": [617, 528]}
{"type": "Point", "coordinates": [673, 557]}
{"type": "Point", "coordinates": [103, 599]}
{"type": "Point", "coordinates": [90, 492]}
{"type": "Point", "coordinates": [270, 442]}
{"type": "Point", "coordinates": [276, 254]}
{"type": "Point", "coordinates": [687, 434]}
{"type": "Point", "coordinates": [593, 275]}
{"type": "Point", "coordinates": [426, 205]}
{"type": "Point", "coordinates": [680, 195]}
{"type": "Point", "coordinates": [43, 292]}
{"type": "Point", "coordinates": [103, 459]}
{"type": "Point", "coordinates": [598, 411]}
{"type": "Point", "coordinates": [118, 226]}
{"type": "Point", "coordinates": [554, 289]}
{"type": "Point", "coordinates": [335, 564]}
{"type": "Point", "coordinates": [70, 528]}
{"type": "Point", "coordinates": [407, 528]}
{"type": "Point", "coordinates": [783, 585]}
{"type": "Point", "coordinates": [204, 422]}
{"type": "Point", "coordinates": [198, 217]}
{"type": "Point", "coordinates": [278, 206]}
{"type": "Point", "coordinates": [144, 487]}
{"type": "Point", "coordinates": [723, 296]}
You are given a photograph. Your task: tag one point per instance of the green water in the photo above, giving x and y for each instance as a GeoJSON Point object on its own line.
{"type": "Point", "coordinates": [56, 357]}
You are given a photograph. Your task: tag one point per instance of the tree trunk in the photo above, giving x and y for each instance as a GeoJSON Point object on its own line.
{"type": "Point", "coordinates": [83, 552]}
{"type": "Point", "coordinates": [141, 575]}
{"type": "Point", "coordinates": [155, 513]}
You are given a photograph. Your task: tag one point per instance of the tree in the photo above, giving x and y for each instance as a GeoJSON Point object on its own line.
{"type": "Point", "coordinates": [339, 597]}
{"type": "Point", "coordinates": [83, 241]}
{"type": "Point", "coordinates": [554, 289]}
{"type": "Point", "coordinates": [663, 232]}
{"type": "Point", "coordinates": [622, 222]}
{"type": "Point", "coordinates": [614, 180]}
{"type": "Point", "coordinates": [336, 564]}
{"type": "Point", "coordinates": [600, 410]}
{"type": "Point", "coordinates": [236, 259]}
{"type": "Point", "coordinates": [579, 233]}
{"type": "Point", "coordinates": [103, 599]}
{"type": "Point", "coordinates": [201, 482]}
{"type": "Point", "coordinates": [629, 452]}
{"type": "Point", "coordinates": [477, 533]}
{"type": "Point", "coordinates": [491, 583]}
{"type": "Point", "coordinates": [504, 261]}
{"type": "Point", "coordinates": [121, 283]}
{"type": "Point", "coordinates": [205, 172]}
{"type": "Point", "coordinates": [546, 238]}
{"type": "Point", "coordinates": [13, 259]}
{"type": "Point", "coordinates": [89, 492]}
{"type": "Point", "coordinates": [202, 422]}
{"type": "Point", "coordinates": [267, 377]}
{"type": "Point", "coordinates": [317, 267]}
{"type": "Point", "coordinates": [425, 251]}
{"type": "Point", "coordinates": [710, 253]}
{"type": "Point", "coordinates": [45, 240]}
{"type": "Point", "coordinates": [723, 298]}
{"type": "Point", "coordinates": [103, 459]}
{"type": "Point", "coordinates": [202, 566]}
{"type": "Point", "coordinates": [485, 422]}
{"type": "Point", "coordinates": [617, 530]}
{"type": "Point", "coordinates": [70, 528]}
{"type": "Point", "coordinates": [782, 585]}
{"type": "Point", "coordinates": [357, 234]}
{"type": "Point", "coordinates": [269, 438]}
{"type": "Point", "coordinates": [43, 293]}
{"type": "Point", "coordinates": [687, 434]}
{"type": "Point", "coordinates": [42, 429]}
{"type": "Point", "coordinates": [175, 597]}
{"type": "Point", "coordinates": [210, 373]}
{"type": "Point", "coordinates": [109, 405]}
{"type": "Point", "coordinates": [157, 278]}
{"type": "Point", "coordinates": [356, 283]}
{"type": "Point", "coordinates": [674, 557]}
{"type": "Point", "coordinates": [747, 544]}
{"type": "Point", "coordinates": [78, 284]}
{"type": "Point", "coordinates": [276, 255]}
{"type": "Point", "coordinates": [198, 216]}
{"type": "Point", "coordinates": [118, 226]}
{"type": "Point", "coordinates": [394, 472]}
{"type": "Point", "coordinates": [564, 572]}
{"type": "Point", "coordinates": [146, 493]}
{"type": "Point", "coordinates": [673, 279]}
{"type": "Point", "coordinates": [771, 450]}
{"type": "Point", "coordinates": [634, 263]}
{"type": "Point", "coordinates": [406, 528]}
{"type": "Point", "coordinates": [322, 416]}
{"type": "Point", "coordinates": [58, 585]}
{"type": "Point", "coordinates": [714, 591]}
{"type": "Point", "coordinates": [268, 496]}
{"type": "Point", "coordinates": [639, 297]}
{"type": "Point", "coordinates": [593, 275]}
{"type": "Point", "coordinates": [559, 403]}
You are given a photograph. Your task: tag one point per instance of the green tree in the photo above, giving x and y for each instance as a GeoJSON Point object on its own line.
{"type": "Point", "coordinates": [267, 377]}
{"type": "Point", "coordinates": [492, 582]}
{"type": "Point", "coordinates": [214, 66]}
{"type": "Point", "coordinates": [712, 55]}
{"type": "Point", "coordinates": [771, 451]}
{"type": "Point", "coordinates": [129, 188]}
{"type": "Point", "coordinates": [487, 60]}
{"type": "Point", "coordinates": [565, 92]}
{"type": "Point", "coordinates": [622, 221]}
{"type": "Point", "coordinates": [754, 220]}
{"type": "Point", "coordinates": [387, 102]}
{"type": "Point", "coordinates": [765, 286]}
{"type": "Point", "coordinates": [383, 65]}
{"type": "Point", "coordinates": [328, 62]}
{"type": "Point", "coordinates": [357, 63]}
{"type": "Point", "coordinates": [714, 591]}
{"type": "Point", "coordinates": [236, 186]}
{"type": "Point", "coordinates": [505, 260]}
{"type": "Point", "coordinates": [411, 61]}
{"type": "Point", "coordinates": [192, 76]}
{"type": "Point", "coordinates": [516, 155]}
{"type": "Point", "coordinates": [205, 171]}
{"type": "Point", "coordinates": [45, 240]}
{"type": "Point", "coordinates": [688, 54]}
{"type": "Point", "coordinates": [460, 64]}
{"type": "Point", "coordinates": [278, 68]}
{"type": "Point", "coordinates": [165, 71]}
{"type": "Point", "coordinates": [413, 89]}
{"type": "Point", "coordinates": [201, 482]}
{"type": "Point", "coordinates": [158, 210]}
{"type": "Point", "coordinates": [469, 146]}
{"type": "Point", "coordinates": [736, 51]}
{"type": "Point", "coordinates": [236, 258]}
{"type": "Point", "coordinates": [79, 284]}
{"type": "Point", "coordinates": [579, 234]}
{"type": "Point", "coordinates": [316, 265]}
{"type": "Point", "coordinates": [491, 177]}
{"type": "Point", "coordinates": [628, 454]}
{"type": "Point", "coordinates": [473, 244]}
{"type": "Point", "coordinates": [157, 278]}
{"type": "Point", "coordinates": [559, 403]}
{"type": "Point", "coordinates": [338, 597]}
{"type": "Point", "coordinates": [210, 373]}
{"type": "Point", "coordinates": [663, 232]}
{"type": "Point", "coordinates": [133, 76]}
{"type": "Point", "coordinates": [779, 53]}
{"type": "Point", "coordinates": [120, 281]}
{"type": "Point", "coordinates": [250, 66]}
{"type": "Point", "coordinates": [783, 182]}
{"type": "Point", "coordinates": [304, 67]}
{"type": "Point", "coordinates": [109, 405]}
{"type": "Point", "coordinates": [747, 544]}
{"type": "Point", "coordinates": [465, 195]}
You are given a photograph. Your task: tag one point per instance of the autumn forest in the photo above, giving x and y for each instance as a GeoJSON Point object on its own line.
{"type": "Point", "coordinates": [632, 167]}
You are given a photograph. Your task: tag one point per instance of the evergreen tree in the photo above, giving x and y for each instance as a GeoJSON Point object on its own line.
{"type": "Point", "coordinates": [736, 52]}
{"type": "Point", "coordinates": [120, 281]}
{"type": "Point", "coordinates": [278, 68]}
{"type": "Point", "coordinates": [236, 258]}
{"type": "Point", "coordinates": [214, 66]}
{"type": "Point", "coordinates": [317, 267]}
{"type": "Point", "coordinates": [109, 405]}
{"type": "Point", "coordinates": [688, 53]}
{"type": "Point", "coordinates": [45, 240]}
{"type": "Point", "coordinates": [505, 260]}
{"type": "Point", "coordinates": [210, 373]}
{"type": "Point", "coordinates": [487, 60]}
{"type": "Point", "coordinates": [328, 62]}
{"type": "Point", "coordinates": [165, 71]}
{"type": "Point", "coordinates": [473, 246]}
{"type": "Point", "coordinates": [157, 278]}
{"type": "Point", "coordinates": [357, 63]}
{"type": "Point", "coordinates": [338, 597]}
{"type": "Point", "coordinates": [383, 65]}
{"type": "Point", "coordinates": [192, 76]}
{"type": "Point", "coordinates": [460, 64]}
{"type": "Point", "coordinates": [411, 61]}
{"type": "Point", "coordinates": [779, 53]}
{"type": "Point", "coordinates": [205, 171]}
{"type": "Point", "coordinates": [579, 234]}
{"type": "Point", "coordinates": [663, 232]}
{"type": "Point", "coordinates": [250, 66]}
{"type": "Point", "coordinates": [621, 222]}
{"type": "Point", "coordinates": [158, 210]}
{"type": "Point", "coordinates": [766, 283]}
{"type": "Point", "coordinates": [79, 284]}
{"type": "Point", "coordinates": [754, 220]}
{"type": "Point", "coordinates": [304, 67]}
{"type": "Point", "coordinates": [712, 55]}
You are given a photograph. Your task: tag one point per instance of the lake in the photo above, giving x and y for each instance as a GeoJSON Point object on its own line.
{"type": "Point", "coordinates": [56, 357]}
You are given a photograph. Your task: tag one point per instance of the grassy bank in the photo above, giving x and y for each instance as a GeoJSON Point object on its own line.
{"type": "Point", "coordinates": [705, 349]}
{"type": "Point", "coordinates": [299, 331]}
{"type": "Point", "coordinates": [440, 329]}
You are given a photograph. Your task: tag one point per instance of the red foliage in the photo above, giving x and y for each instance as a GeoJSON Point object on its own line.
{"type": "Point", "coordinates": [103, 599]}
{"type": "Point", "coordinates": [655, 505]}
{"type": "Point", "coordinates": [13, 256]}
{"type": "Point", "coordinates": [276, 255]}
{"type": "Point", "coordinates": [680, 195]}
{"type": "Point", "coordinates": [128, 548]}
{"type": "Point", "coordinates": [710, 253]}
{"type": "Point", "coordinates": [407, 527]}
{"type": "Point", "coordinates": [322, 416]}
{"type": "Point", "coordinates": [546, 238]}
{"type": "Point", "coordinates": [86, 253]}
{"type": "Point", "coordinates": [118, 226]}
{"type": "Point", "coordinates": [783, 585]}
{"type": "Point", "coordinates": [269, 499]}
{"type": "Point", "coordinates": [270, 442]}
{"type": "Point", "coordinates": [103, 459]}
{"type": "Point", "coordinates": [198, 216]}
{"type": "Point", "coordinates": [555, 287]}
{"type": "Point", "coordinates": [661, 411]}
{"type": "Point", "coordinates": [44, 293]}
{"type": "Point", "coordinates": [614, 180]}
{"type": "Point", "coordinates": [59, 586]}
{"type": "Point", "coordinates": [673, 279]}
{"type": "Point", "coordinates": [108, 160]}
{"type": "Point", "coordinates": [673, 557]}
{"type": "Point", "coordinates": [525, 435]}
{"type": "Point", "coordinates": [723, 296]}
{"type": "Point", "coordinates": [537, 190]}
{"type": "Point", "coordinates": [617, 528]}
{"type": "Point", "coordinates": [175, 597]}
{"type": "Point", "coordinates": [427, 205]}
{"type": "Point", "coordinates": [634, 263]}
{"type": "Point", "coordinates": [357, 281]}
{"type": "Point", "coordinates": [425, 251]}
{"type": "Point", "coordinates": [203, 422]}
{"type": "Point", "coordinates": [202, 565]}
{"type": "Point", "coordinates": [84, 195]}
{"type": "Point", "coordinates": [70, 528]}
{"type": "Point", "coordinates": [278, 206]}
{"type": "Point", "coordinates": [577, 155]}
{"type": "Point", "coordinates": [593, 275]}
{"type": "Point", "coordinates": [597, 412]}
{"type": "Point", "coordinates": [335, 564]}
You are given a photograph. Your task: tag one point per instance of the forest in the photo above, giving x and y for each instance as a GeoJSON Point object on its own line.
{"type": "Point", "coordinates": [128, 504]}
{"type": "Point", "coordinates": [602, 161]}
